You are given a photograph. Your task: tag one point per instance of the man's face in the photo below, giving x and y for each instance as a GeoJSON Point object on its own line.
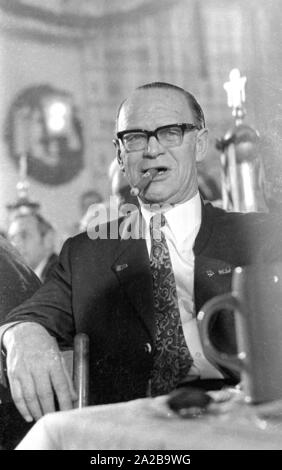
{"type": "Point", "coordinates": [149, 109]}
{"type": "Point", "coordinates": [24, 235]}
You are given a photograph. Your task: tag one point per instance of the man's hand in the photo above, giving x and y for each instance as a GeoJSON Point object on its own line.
{"type": "Point", "coordinates": [36, 370]}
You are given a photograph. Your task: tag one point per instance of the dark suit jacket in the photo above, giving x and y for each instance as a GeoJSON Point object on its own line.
{"type": "Point", "coordinates": [49, 267]}
{"type": "Point", "coordinates": [103, 287]}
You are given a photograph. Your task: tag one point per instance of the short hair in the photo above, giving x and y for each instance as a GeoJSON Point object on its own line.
{"type": "Point", "coordinates": [43, 225]}
{"type": "Point", "coordinates": [192, 102]}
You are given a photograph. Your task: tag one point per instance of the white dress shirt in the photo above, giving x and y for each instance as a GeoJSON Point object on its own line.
{"type": "Point", "coordinates": [181, 229]}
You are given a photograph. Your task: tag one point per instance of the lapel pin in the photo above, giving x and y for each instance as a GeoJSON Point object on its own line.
{"type": "Point", "coordinates": [210, 273]}
{"type": "Point", "coordinates": [121, 267]}
{"type": "Point", "coordinates": [225, 270]}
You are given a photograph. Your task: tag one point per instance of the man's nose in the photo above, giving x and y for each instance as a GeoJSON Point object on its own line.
{"type": "Point", "coordinates": [154, 148]}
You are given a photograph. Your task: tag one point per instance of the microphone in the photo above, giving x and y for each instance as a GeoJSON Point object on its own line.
{"type": "Point", "coordinates": [145, 179]}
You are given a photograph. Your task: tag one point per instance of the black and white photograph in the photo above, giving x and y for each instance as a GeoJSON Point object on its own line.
{"type": "Point", "coordinates": [141, 228]}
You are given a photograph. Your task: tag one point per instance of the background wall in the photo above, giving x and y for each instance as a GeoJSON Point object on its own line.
{"type": "Point", "coordinates": [102, 50]}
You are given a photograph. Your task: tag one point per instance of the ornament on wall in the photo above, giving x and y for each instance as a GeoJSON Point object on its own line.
{"type": "Point", "coordinates": [43, 128]}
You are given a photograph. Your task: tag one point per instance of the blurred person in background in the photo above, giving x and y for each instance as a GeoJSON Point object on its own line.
{"type": "Point", "coordinates": [17, 283]}
{"type": "Point", "coordinates": [106, 210]}
{"type": "Point", "coordinates": [86, 200]}
{"type": "Point", "coordinates": [209, 188]}
{"type": "Point", "coordinates": [35, 239]}
{"type": "Point", "coordinates": [91, 196]}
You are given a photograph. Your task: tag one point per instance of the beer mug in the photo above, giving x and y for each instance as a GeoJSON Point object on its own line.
{"type": "Point", "coordinates": [256, 300]}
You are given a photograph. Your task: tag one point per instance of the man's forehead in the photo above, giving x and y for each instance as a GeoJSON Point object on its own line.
{"type": "Point", "coordinates": [162, 106]}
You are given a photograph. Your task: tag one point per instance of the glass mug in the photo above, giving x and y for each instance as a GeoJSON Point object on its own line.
{"type": "Point", "coordinates": [256, 300]}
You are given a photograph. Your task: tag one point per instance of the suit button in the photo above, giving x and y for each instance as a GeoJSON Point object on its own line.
{"type": "Point", "coordinates": [148, 348]}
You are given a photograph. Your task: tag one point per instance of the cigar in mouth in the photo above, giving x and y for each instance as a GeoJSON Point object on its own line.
{"type": "Point", "coordinates": [145, 179]}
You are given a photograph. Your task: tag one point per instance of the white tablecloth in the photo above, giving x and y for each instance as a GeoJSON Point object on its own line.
{"type": "Point", "coordinates": [149, 424]}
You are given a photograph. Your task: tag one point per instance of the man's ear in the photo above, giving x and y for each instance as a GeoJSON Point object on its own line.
{"type": "Point", "coordinates": [118, 154]}
{"type": "Point", "coordinates": [201, 144]}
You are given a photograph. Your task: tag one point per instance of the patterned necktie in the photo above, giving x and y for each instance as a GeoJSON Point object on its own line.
{"type": "Point", "coordinates": [172, 359]}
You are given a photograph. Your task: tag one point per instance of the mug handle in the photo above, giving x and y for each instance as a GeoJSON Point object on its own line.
{"type": "Point", "coordinates": [224, 301]}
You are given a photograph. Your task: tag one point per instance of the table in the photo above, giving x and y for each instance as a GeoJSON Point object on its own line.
{"type": "Point", "coordinates": [149, 424]}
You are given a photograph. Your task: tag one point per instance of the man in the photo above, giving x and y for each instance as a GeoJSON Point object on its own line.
{"type": "Point", "coordinates": [34, 238]}
{"type": "Point", "coordinates": [115, 287]}
{"type": "Point", "coordinates": [17, 283]}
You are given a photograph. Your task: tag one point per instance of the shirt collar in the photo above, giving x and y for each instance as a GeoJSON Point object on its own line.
{"type": "Point", "coordinates": [183, 220]}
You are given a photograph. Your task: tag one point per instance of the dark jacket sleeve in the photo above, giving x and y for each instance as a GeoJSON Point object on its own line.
{"type": "Point", "coordinates": [49, 267]}
{"type": "Point", "coordinates": [51, 305]}
{"type": "Point", "coordinates": [17, 281]}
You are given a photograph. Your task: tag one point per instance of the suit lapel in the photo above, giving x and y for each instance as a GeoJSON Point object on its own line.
{"type": "Point", "coordinates": [132, 268]}
{"type": "Point", "coordinates": [212, 277]}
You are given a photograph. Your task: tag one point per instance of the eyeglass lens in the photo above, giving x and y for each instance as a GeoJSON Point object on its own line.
{"type": "Point", "coordinates": [169, 137]}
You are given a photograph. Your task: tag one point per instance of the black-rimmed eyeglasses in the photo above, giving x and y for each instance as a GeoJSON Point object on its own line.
{"type": "Point", "coordinates": [169, 136]}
